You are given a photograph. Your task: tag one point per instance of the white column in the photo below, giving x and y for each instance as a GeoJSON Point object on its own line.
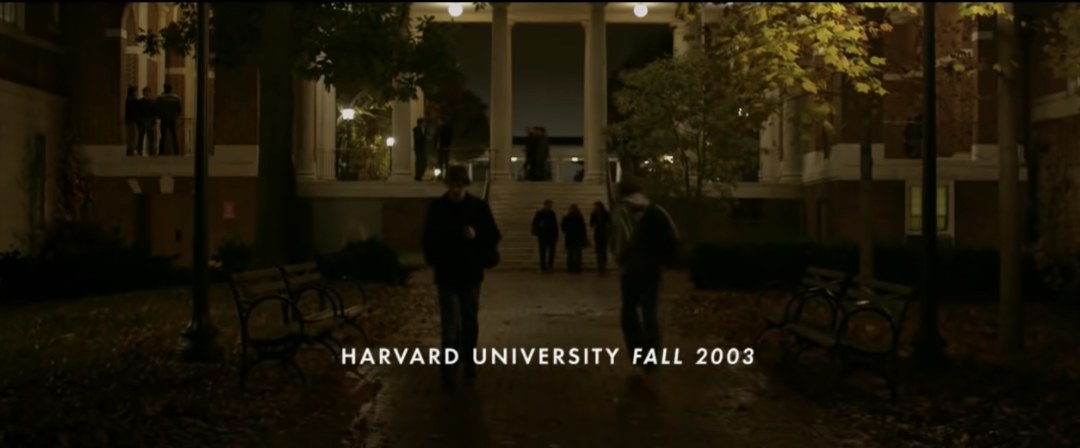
{"type": "Point", "coordinates": [596, 93]}
{"type": "Point", "coordinates": [682, 31]}
{"type": "Point", "coordinates": [502, 136]}
{"type": "Point", "coordinates": [769, 170]}
{"type": "Point", "coordinates": [791, 165]}
{"type": "Point", "coordinates": [326, 113]}
{"type": "Point", "coordinates": [304, 149]}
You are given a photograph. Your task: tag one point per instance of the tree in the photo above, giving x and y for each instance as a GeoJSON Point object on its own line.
{"type": "Point", "coordinates": [367, 47]}
{"type": "Point", "coordinates": [466, 115]}
{"type": "Point", "coordinates": [751, 60]}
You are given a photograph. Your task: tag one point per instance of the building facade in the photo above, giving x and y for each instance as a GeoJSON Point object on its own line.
{"type": "Point", "coordinates": [65, 69]}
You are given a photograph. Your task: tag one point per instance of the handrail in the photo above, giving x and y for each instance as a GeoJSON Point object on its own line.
{"type": "Point", "coordinates": [487, 178]}
{"type": "Point", "coordinates": [608, 183]}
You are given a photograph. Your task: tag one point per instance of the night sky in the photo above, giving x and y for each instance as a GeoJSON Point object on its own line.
{"type": "Point", "coordinates": [549, 68]}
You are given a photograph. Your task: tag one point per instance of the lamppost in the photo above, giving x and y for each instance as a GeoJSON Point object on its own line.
{"type": "Point", "coordinates": [929, 345]}
{"type": "Point", "coordinates": [348, 114]}
{"type": "Point", "coordinates": [199, 341]}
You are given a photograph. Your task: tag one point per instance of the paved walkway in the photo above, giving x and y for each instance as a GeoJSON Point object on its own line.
{"type": "Point", "coordinates": [582, 406]}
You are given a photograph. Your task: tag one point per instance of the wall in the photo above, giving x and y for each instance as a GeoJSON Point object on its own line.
{"type": "Point", "coordinates": [25, 112]}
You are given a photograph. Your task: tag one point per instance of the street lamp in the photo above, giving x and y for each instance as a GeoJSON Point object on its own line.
{"type": "Point", "coordinates": [574, 159]}
{"type": "Point", "coordinates": [513, 159]}
{"type": "Point", "coordinates": [390, 141]}
{"type": "Point", "coordinates": [455, 9]}
{"type": "Point", "coordinates": [641, 10]}
{"type": "Point", "coordinates": [199, 342]}
{"type": "Point", "coordinates": [348, 114]}
{"type": "Point", "coordinates": [437, 172]}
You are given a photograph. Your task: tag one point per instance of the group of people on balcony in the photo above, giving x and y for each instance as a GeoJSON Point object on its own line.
{"type": "Point", "coordinates": [537, 153]}
{"type": "Point", "coordinates": [148, 117]}
{"type": "Point", "coordinates": [438, 134]}
{"type": "Point", "coordinates": [546, 227]}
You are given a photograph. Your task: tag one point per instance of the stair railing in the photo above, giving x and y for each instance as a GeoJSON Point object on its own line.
{"type": "Point", "coordinates": [487, 179]}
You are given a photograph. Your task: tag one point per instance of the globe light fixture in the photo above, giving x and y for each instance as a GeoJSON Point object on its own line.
{"type": "Point", "coordinates": [455, 9]}
{"type": "Point", "coordinates": [574, 159]}
{"type": "Point", "coordinates": [437, 172]}
{"type": "Point", "coordinates": [348, 113]}
{"type": "Point", "coordinates": [641, 10]}
{"type": "Point", "coordinates": [513, 159]}
{"type": "Point", "coordinates": [390, 141]}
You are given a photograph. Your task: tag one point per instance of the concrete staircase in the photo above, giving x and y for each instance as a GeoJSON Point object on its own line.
{"type": "Point", "coordinates": [514, 204]}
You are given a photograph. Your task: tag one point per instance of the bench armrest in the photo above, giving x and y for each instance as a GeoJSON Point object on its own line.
{"type": "Point", "coordinates": [287, 307]}
{"type": "Point", "coordinates": [793, 311]}
{"type": "Point", "coordinates": [894, 329]}
{"type": "Point", "coordinates": [325, 294]}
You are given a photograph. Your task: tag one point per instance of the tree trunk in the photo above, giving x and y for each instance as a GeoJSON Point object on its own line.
{"type": "Point", "coordinates": [1008, 186]}
{"type": "Point", "coordinates": [277, 175]}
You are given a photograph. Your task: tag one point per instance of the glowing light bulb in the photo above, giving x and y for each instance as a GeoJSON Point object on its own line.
{"type": "Point", "coordinates": [390, 141]}
{"type": "Point", "coordinates": [455, 9]}
{"type": "Point", "coordinates": [348, 113]}
{"type": "Point", "coordinates": [641, 10]}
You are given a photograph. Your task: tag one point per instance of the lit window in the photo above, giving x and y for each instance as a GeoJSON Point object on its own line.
{"type": "Point", "coordinates": [915, 209]}
{"type": "Point", "coordinates": [12, 14]}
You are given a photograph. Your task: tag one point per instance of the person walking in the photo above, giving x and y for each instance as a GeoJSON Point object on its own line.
{"type": "Point", "coordinates": [419, 141]}
{"type": "Point", "coordinates": [543, 153]}
{"type": "Point", "coordinates": [545, 227]}
{"type": "Point", "coordinates": [644, 241]}
{"type": "Point", "coordinates": [600, 221]}
{"type": "Point", "coordinates": [460, 241]}
{"type": "Point", "coordinates": [529, 169]}
{"type": "Point", "coordinates": [169, 109]}
{"type": "Point", "coordinates": [575, 236]}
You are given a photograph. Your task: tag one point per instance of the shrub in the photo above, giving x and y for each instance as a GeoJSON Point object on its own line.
{"type": "Point", "coordinates": [370, 260]}
{"type": "Point", "coordinates": [965, 273]}
{"type": "Point", "coordinates": [78, 258]}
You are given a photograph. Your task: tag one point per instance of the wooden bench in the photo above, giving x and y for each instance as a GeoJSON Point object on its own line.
{"type": "Point", "coordinates": [254, 289]}
{"type": "Point", "coordinates": [885, 304]}
{"type": "Point", "coordinates": [818, 283]}
{"type": "Point", "coordinates": [305, 279]}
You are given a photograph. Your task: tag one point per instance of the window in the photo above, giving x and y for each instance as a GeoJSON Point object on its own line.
{"type": "Point", "coordinates": [12, 14]}
{"type": "Point", "coordinates": [944, 208]}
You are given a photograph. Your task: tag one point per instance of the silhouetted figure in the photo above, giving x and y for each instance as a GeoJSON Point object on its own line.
{"type": "Point", "coordinates": [545, 227]}
{"type": "Point", "coordinates": [169, 108]}
{"type": "Point", "coordinates": [131, 120]}
{"type": "Point", "coordinates": [644, 240]}
{"type": "Point", "coordinates": [543, 153]}
{"type": "Point", "coordinates": [529, 169]}
{"type": "Point", "coordinates": [419, 141]}
{"type": "Point", "coordinates": [446, 137]}
{"type": "Point", "coordinates": [147, 123]}
{"type": "Point", "coordinates": [575, 236]}
{"type": "Point", "coordinates": [600, 221]}
{"type": "Point", "coordinates": [460, 240]}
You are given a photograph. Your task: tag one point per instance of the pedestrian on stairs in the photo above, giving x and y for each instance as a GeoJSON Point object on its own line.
{"type": "Point", "coordinates": [575, 235]}
{"type": "Point", "coordinates": [600, 221]}
{"type": "Point", "coordinates": [644, 241]}
{"type": "Point", "coordinates": [545, 227]}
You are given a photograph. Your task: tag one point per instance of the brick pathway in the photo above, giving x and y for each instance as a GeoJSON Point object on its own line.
{"type": "Point", "coordinates": [582, 406]}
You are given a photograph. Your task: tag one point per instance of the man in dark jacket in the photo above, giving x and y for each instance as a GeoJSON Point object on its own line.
{"type": "Point", "coordinates": [644, 241]}
{"type": "Point", "coordinates": [169, 108]}
{"type": "Point", "coordinates": [460, 240]}
{"type": "Point", "coordinates": [131, 120]}
{"type": "Point", "coordinates": [419, 142]}
{"type": "Point", "coordinates": [545, 227]}
{"type": "Point", "coordinates": [147, 123]}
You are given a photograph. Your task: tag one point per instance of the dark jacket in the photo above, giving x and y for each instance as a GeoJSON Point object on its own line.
{"type": "Point", "coordinates": [131, 110]}
{"type": "Point", "coordinates": [574, 231]}
{"type": "Point", "coordinates": [147, 111]}
{"type": "Point", "coordinates": [545, 225]}
{"type": "Point", "coordinates": [169, 107]}
{"type": "Point", "coordinates": [644, 237]}
{"type": "Point", "coordinates": [456, 259]}
{"type": "Point", "coordinates": [419, 139]}
{"type": "Point", "coordinates": [600, 221]}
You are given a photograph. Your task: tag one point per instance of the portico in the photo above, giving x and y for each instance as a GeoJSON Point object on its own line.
{"type": "Point", "coordinates": [594, 17]}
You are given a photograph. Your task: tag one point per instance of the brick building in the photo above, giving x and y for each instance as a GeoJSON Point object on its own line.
{"type": "Point", "coordinates": [66, 67]}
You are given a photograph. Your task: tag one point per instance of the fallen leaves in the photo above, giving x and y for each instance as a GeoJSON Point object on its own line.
{"type": "Point", "coordinates": [100, 371]}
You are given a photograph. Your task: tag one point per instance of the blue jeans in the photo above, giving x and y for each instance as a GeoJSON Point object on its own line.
{"type": "Point", "coordinates": [458, 310]}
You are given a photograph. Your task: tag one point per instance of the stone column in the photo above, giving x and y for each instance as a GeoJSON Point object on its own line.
{"type": "Point", "coordinates": [326, 113]}
{"type": "Point", "coordinates": [682, 31]}
{"type": "Point", "coordinates": [501, 136]}
{"type": "Point", "coordinates": [304, 129]}
{"type": "Point", "coordinates": [791, 165]}
{"type": "Point", "coordinates": [401, 168]}
{"type": "Point", "coordinates": [596, 93]}
{"type": "Point", "coordinates": [770, 150]}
